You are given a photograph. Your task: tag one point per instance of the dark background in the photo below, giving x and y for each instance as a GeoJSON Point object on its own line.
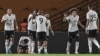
{"type": "Point", "coordinates": [56, 44]}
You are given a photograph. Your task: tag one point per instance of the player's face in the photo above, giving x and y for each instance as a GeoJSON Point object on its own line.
{"type": "Point", "coordinates": [47, 15]}
{"type": "Point", "coordinates": [9, 11]}
{"type": "Point", "coordinates": [74, 13]}
{"type": "Point", "coordinates": [34, 12]}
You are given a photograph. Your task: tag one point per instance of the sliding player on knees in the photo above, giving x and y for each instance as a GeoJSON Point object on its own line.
{"type": "Point", "coordinates": [9, 19]}
{"type": "Point", "coordinates": [73, 31]}
{"type": "Point", "coordinates": [92, 27]}
{"type": "Point", "coordinates": [24, 45]}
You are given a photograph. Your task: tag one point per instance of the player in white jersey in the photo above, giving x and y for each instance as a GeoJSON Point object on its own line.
{"type": "Point", "coordinates": [32, 30]}
{"type": "Point", "coordinates": [92, 27]}
{"type": "Point", "coordinates": [73, 20]}
{"type": "Point", "coordinates": [9, 19]}
{"type": "Point", "coordinates": [49, 28]}
{"type": "Point", "coordinates": [24, 45]}
{"type": "Point", "coordinates": [41, 22]}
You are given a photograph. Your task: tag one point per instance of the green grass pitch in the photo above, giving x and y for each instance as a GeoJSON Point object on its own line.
{"type": "Point", "coordinates": [49, 55]}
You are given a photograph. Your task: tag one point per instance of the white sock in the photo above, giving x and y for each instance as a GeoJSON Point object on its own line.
{"type": "Point", "coordinates": [38, 48]}
{"type": "Point", "coordinates": [10, 44]}
{"type": "Point", "coordinates": [96, 43]}
{"type": "Point", "coordinates": [90, 45]}
{"type": "Point", "coordinates": [68, 47]}
{"type": "Point", "coordinates": [45, 49]}
{"type": "Point", "coordinates": [6, 45]}
{"type": "Point", "coordinates": [33, 47]}
{"type": "Point", "coordinates": [77, 46]}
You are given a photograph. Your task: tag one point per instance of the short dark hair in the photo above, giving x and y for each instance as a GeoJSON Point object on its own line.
{"type": "Point", "coordinates": [90, 6]}
{"type": "Point", "coordinates": [26, 41]}
{"type": "Point", "coordinates": [73, 9]}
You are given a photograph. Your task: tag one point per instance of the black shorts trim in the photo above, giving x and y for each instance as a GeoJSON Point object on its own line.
{"type": "Point", "coordinates": [92, 33]}
{"type": "Point", "coordinates": [33, 34]}
{"type": "Point", "coordinates": [9, 34]}
{"type": "Point", "coordinates": [41, 36]}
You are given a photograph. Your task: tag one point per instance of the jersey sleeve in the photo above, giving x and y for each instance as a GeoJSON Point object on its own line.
{"type": "Point", "coordinates": [20, 40]}
{"type": "Point", "coordinates": [49, 23]}
{"type": "Point", "coordinates": [30, 15]}
{"type": "Point", "coordinates": [4, 17]}
{"type": "Point", "coordinates": [96, 15]}
{"type": "Point", "coordinates": [14, 17]}
{"type": "Point", "coordinates": [87, 16]}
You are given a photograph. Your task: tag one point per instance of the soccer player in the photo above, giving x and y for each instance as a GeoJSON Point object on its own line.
{"type": "Point", "coordinates": [32, 30]}
{"type": "Point", "coordinates": [92, 27]}
{"type": "Point", "coordinates": [24, 44]}
{"type": "Point", "coordinates": [41, 22]}
{"type": "Point", "coordinates": [73, 20]}
{"type": "Point", "coordinates": [49, 28]}
{"type": "Point", "coordinates": [9, 19]}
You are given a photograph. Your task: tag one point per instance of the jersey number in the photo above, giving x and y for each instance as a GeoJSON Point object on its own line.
{"type": "Point", "coordinates": [41, 20]}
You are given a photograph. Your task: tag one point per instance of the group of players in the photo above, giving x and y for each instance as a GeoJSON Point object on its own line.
{"type": "Point", "coordinates": [92, 27]}
{"type": "Point", "coordinates": [39, 26]}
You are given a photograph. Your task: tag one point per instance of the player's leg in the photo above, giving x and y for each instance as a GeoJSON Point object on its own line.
{"type": "Point", "coordinates": [6, 41]}
{"type": "Point", "coordinates": [90, 42]}
{"type": "Point", "coordinates": [26, 49]}
{"type": "Point", "coordinates": [39, 42]}
{"type": "Point", "coordinates": [33, 42]}
{"type": "Point", "coordinates": [11, 35]}
{"type": "Point", "coordinates": [69, 42]}
{"type": "Point", "coordinates": [19, 49]}
{"type": "Point", "coordinates": [94, 39]}
{"type": "Point", "coordinates": [45, 46]}
{"type": "Point", "coordinates": [30, 46]}
{"type": "Point", "coordinates": [6, 45]}
{"type": "Point", "coordinates": [44, 42]}
{"type": "Point", "coordinates": [39, 47]}
{"type": "Point", "coordinates": [77, 42]}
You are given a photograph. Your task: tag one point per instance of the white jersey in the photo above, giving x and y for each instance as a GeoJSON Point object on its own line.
{"type": "Point", "coordinates": [92, 16]}
{"type": "Point", "coordinates": [49, 24]}
{"type": "Point", "coordinates": [9, 24]}
{"type": "Point", "coordinates": [31, 26]}
{"type": "Point", "coordinates": [73, 23]}
{"type": "Point", "coordinates": [23, 38]}
{"type": "Point", "coordinates": [41, 23]}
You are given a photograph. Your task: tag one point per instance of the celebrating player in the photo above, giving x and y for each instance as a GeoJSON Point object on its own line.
{"type": "Point", "coordinates": [32, 30]}
{"type": "Point", "coordinates": [73, 20]}
{"type": "Point", "coordinates": [41, 22]}
{"type": "Point", "coordinates": [92, 27]}
{"type": "Point", "coordinates": [47, 31]}
{"type": "Point", "coordinates": [9, 19]}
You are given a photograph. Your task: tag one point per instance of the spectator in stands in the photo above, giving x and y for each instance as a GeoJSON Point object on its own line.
{"type": "Point", "coordinates": [24, 25]}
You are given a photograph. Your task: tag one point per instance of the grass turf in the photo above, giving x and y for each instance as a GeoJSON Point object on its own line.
{"type": "Point", "coordinates": [49, 55]}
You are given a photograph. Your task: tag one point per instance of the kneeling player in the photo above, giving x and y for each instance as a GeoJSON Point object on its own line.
{"type": "Point", "coordinates": [24, 44]}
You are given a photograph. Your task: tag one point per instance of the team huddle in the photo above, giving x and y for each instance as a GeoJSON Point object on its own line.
{"type": "Point", "coordinates": [39, 27]}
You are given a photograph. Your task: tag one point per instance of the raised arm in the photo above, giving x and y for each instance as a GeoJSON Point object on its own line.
{"type": "Point", "coordinates": [64, 19]}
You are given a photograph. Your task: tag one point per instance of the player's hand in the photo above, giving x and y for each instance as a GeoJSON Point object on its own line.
{"type": "Point", "coordinates": [83, 26]}
{"type": "Point", "coordinates": [65, 14]}
{"type": "Point", "coordinates": [52, 33]}
{"type": "Point", "coordinates": [86, 31]}
{"type": "Point", "coordinates": [97, 30]}
{"type": "Point", "coordinates": [17, 28]}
